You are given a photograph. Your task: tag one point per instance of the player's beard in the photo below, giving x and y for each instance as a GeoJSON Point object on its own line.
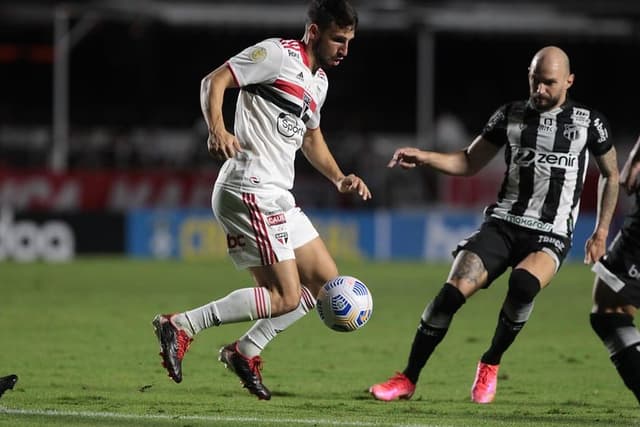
{"type": "Point", "coordinates": [544, 103]}
{"type": "Point", "coordinates": [324, 61]}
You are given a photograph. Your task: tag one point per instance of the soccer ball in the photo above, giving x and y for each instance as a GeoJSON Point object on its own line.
{"type": "Point", "coordinates": [344, 304]}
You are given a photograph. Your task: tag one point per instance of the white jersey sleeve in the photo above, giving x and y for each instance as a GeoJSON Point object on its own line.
{"type": "Point", "coordinates": [279, 99]}
{"type": "Point", "coordinates": [314, 119]}
{"type": "Point", "coordinates": [260, 63]}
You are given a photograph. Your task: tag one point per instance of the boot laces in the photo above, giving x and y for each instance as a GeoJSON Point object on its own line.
{"type": "Point", "coordinates": [255, 365]}
{"type": "Point", "coordinates": [397, 380]}
{"type": "Point", "coordinates": [183, 343]}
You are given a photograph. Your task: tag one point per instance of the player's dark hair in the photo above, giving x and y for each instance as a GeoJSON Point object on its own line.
{"type": "Point", "coordinates": [325, 12]}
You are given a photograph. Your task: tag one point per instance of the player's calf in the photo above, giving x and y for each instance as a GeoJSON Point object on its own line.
{"type": "Point", "coordinates": [622, 339]}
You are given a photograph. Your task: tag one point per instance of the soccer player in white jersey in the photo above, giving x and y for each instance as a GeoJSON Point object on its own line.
{"type": "Point", "coordinates": [282, 89]}
{"type": "Point", "coordinates": [547, 139]}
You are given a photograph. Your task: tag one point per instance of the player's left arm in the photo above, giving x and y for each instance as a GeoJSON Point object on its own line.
{"type": "Point", "coordinates": [607, 199]}
{"type": "Point", "coordinates": [314, 148]}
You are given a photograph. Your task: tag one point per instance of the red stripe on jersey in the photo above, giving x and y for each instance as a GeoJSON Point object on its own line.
{"type": "Point", "coordinates": [290, 88]}
{"type": "Point", "coordinates": [298, 46]}
{"type": "Point", "coordinates": [290, 44]}
{"type": "Point", "coordinates": [303, 52]}
{"type": "Point", "coordinates": [295, 90]}
{"type": "Point", "coordinates": [233, 74]}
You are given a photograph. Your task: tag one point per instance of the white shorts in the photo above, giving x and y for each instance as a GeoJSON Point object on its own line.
{"type": "Point", "coordinates": [261, 229]}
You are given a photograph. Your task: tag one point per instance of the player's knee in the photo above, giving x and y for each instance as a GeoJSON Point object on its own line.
{"type": "Point", "coordinates": [282, 303]}
{"type": "Point", "coordinates": [449, 299]}
{"type": "Point", "coordinates": [606, 325]}
{"type": "Point", "coordinates": [600, 324]}
{"type": "Point", "coordinates": [291, 302]}
{"type": "Point", "coordinates": [523, 286]}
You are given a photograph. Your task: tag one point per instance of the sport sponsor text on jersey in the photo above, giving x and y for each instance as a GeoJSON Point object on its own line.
{"type": "Point", "coordinates": [581, 116]}
{"type": "Point", "coordinates": [552, 240]}
{"type": "Point", "coordinates": [523, 221]}
{"type": "Point", "coordinates": [276, 219]}
{"type": "Point", "coordinates": [524, 156]}
{"type": "Point", "coordinates": [602, 131]}
{"type": "Point", "coordinates": [288, 125]}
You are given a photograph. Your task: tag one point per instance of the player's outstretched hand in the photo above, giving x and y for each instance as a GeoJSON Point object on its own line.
{"type": "Point", "coordinates": [354, 184]}
{"type": "Point", "coordinates": [407, 158]}
{"type": "Point", "coordinates": [594, 248]}
{"type": "Point", "coordinates": [223, 146]}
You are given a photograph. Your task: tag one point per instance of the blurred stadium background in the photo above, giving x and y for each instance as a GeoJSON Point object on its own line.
{"type": "Point", "coordinates": [102, 143]}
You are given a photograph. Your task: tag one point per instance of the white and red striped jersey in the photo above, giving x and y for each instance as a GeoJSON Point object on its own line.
{"type": "Point", "coordinates": [280, 98]}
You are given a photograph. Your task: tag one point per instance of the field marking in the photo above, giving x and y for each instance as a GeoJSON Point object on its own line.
{"type": "Point", "coordinates": [213, 418]}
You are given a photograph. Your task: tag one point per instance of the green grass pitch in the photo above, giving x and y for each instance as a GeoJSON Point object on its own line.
{"type": "Point", "coordinates": [79, 337]}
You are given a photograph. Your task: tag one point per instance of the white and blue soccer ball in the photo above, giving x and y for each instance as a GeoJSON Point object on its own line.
{"type": "Point", "coordinates": [344, 304]}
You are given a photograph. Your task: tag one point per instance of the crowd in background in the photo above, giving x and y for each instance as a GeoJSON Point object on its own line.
{"type": "Point", "coordinates": [134, 99]}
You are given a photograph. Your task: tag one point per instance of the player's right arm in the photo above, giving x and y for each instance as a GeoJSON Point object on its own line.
{"type": "Point", "coordinates": [221, 144]}
{"type": "Point", "coordinates": [256, 64]}
{"type": "Point", "coordinates": [465, 162]}
{"type": "Point", "coordinates": [631, 170]}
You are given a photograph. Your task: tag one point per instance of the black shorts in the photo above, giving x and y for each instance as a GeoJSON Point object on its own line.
{"type": "Point", "coordinates": [619, 268]}
{"type": "Point", "coordinates": [500, 245]}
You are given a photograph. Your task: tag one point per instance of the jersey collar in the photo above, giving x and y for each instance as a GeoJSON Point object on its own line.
{"type": "Point", "coordinates": [303, 52]}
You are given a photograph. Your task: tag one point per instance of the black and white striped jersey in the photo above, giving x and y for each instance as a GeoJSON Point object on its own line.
{"type": "Point", "coordinates": [547, 154]}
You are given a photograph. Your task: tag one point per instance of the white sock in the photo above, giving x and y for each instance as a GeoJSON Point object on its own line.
{"type": "Point", "coordinates": [256, 339]}
{"type": "Point", "coordinates": [239, 306]}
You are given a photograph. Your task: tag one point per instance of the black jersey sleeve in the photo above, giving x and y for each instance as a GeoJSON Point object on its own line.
{"type": "Point", "coordinates": [495, 131]}
{"type": "Point", "coordinates": [599, 139]}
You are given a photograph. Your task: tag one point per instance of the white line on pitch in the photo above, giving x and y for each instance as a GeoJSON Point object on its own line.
{"type": "Point", "coordinates": [115, 415]}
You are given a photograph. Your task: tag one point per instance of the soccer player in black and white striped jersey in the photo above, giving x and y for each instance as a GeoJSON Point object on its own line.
{"type": "Point", "coordinates": [547, 140]}
{"type": "Point", "coordinates": [616, 292]}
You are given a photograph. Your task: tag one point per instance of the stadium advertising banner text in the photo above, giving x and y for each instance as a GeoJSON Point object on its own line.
{"type": "Point", "coordinates": [57, 237]}
{"type": "Point", "coordinates": [99, 190]}
{"type": "Point", "coordinates": [378, 235]}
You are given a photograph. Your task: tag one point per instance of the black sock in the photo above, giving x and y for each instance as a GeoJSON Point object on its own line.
{"type": "Point", "coordinates": [627, 363]}
{"type": "Point", "coordinates": [438, 313]}
{"type": "Point", "coordinates": [425, 341]}
{"type": "Point", "coordinates": [616, 330]}
{"type": "Point", "coordinates": [506, 332]}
